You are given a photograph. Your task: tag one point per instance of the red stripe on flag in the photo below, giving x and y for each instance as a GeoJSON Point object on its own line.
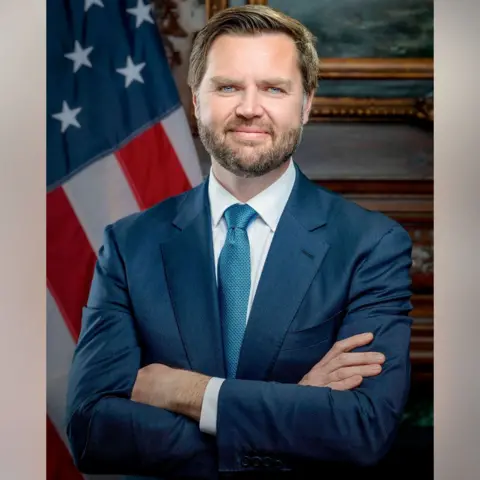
{"type": "Point", "coordinates": [59, 462]}
{"type": "Point", "coordinates": [152, 167]}
{"type": "Point", "coordinates": [70, 259]}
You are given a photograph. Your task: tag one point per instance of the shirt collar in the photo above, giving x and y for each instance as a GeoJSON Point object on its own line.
{"type": "Point", "coordinates": [269, 204]}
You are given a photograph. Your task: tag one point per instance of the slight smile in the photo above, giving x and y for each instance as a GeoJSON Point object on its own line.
{"type": "Point", "coordinates": [249, 133]}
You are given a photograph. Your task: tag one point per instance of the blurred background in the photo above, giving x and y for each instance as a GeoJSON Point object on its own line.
{"type": "Point", "coordinates": [370, 138]}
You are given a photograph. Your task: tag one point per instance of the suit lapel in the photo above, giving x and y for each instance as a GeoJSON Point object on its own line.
{"type": "Point", "coordinates": [295, 255]}
{"type": "Point", "coordinates": [190, 273]}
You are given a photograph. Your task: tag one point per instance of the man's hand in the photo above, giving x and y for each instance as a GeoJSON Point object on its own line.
{"type": "Point", "coordinates": [182, 391]}
{"type": "Point", "coordinates": [179, 391]}
{"type": "Point", "coordinates": [341, 369]}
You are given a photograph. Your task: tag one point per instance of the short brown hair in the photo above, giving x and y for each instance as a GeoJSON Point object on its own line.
{"type": "Point", "coordinates": [254, 20]}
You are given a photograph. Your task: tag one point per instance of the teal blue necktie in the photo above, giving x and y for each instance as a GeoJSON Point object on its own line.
{"type": "Point", "coordinates": [234, 282]}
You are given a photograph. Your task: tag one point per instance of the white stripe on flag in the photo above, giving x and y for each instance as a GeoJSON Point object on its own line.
{"type": "Point", "coordinates": [178, 131]}
{"type": "Point", "coordinates": [100, 195]}
{"type": "Point", "coordinates": [60, 348]}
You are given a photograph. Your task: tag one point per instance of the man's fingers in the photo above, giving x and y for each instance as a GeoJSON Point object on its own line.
{"type": "Point", "coordinates": [355, 358]}
{"type": "Point", "coordinates": [348, 372]}
{"type": "Point", "coordinates": [354, 341]}
{"type": "Point", "coordinates": [347, 384]}
{"type": "Point", "coordinates": [346, 345]}
{"type": "Point", "coordinates": [350, 359]}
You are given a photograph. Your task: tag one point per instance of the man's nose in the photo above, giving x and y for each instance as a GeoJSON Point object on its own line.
{"type": "Point", "coordinates": [249, 105]}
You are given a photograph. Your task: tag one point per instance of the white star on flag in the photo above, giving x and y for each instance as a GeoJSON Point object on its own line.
{"type": "Point", "coordinates": [141, 12]}
{"type": "Point", "coordinates": [79, 57]}
{"type": "Point", "coordinates": [89, 3]}
{"type": "Point", "coordinates": [67, 116]}
{"type": "Point", "coordinates": [131, 72]}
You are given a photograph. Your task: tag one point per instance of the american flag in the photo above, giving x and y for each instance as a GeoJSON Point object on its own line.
{"type": "Point", "coordinates": [118, 142]}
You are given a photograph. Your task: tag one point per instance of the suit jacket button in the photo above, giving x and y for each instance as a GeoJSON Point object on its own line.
{"type": "Point", "coordinates": [246, 461]}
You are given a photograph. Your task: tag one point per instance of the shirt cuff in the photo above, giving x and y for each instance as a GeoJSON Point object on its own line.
{"type": "Point", "coordinates": [208, 415]}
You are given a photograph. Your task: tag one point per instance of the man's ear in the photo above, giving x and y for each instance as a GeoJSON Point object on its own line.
{"type": "Point", "coordinates": [307, 105]}
{"type": "Point", "coordinates": [195, 104]}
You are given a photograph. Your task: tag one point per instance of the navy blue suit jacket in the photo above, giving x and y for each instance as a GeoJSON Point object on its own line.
{"type": "Point", "coordinates": [333, 270]}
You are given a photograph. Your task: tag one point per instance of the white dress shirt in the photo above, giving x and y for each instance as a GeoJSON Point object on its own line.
{"type": "Point", "coordinates": [269, 205]}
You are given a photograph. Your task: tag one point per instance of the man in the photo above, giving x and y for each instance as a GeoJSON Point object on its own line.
{"type": "Point", "coordinates": [257, 323]}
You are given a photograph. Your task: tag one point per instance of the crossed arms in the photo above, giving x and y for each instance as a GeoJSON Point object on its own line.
{"type": "Point", "coordinates": [126, 420]}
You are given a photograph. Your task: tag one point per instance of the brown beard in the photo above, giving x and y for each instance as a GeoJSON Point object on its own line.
{"type": "Point", "coordinates": [265, 161]}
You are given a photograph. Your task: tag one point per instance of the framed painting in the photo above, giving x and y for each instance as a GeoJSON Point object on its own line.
{"type": "Point", "coordinates": [376, 56]}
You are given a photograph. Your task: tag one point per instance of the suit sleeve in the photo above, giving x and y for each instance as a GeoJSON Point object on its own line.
{"type": "Point", "coordinates": [108, 432]}
{"type": "Point", "coordinates": [290, 426]}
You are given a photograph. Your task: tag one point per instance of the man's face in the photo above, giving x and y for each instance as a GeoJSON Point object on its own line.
{"type": "Point", "coordinates": [250, 104]}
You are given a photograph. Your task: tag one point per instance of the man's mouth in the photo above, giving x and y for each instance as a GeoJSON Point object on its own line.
{"type": "Point", "coordinates": [250, 133]}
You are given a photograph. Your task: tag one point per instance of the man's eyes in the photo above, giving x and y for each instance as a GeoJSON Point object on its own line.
{"type": "Point", "coordinates": [275, 90]}
{"type": "Point", "coordinates": [231, 89]}
{"type": "Point", "coordinates": [226, 88]}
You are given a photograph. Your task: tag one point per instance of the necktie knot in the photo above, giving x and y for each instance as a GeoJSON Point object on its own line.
{"type": "Point", "coordinates": [239, 216]}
